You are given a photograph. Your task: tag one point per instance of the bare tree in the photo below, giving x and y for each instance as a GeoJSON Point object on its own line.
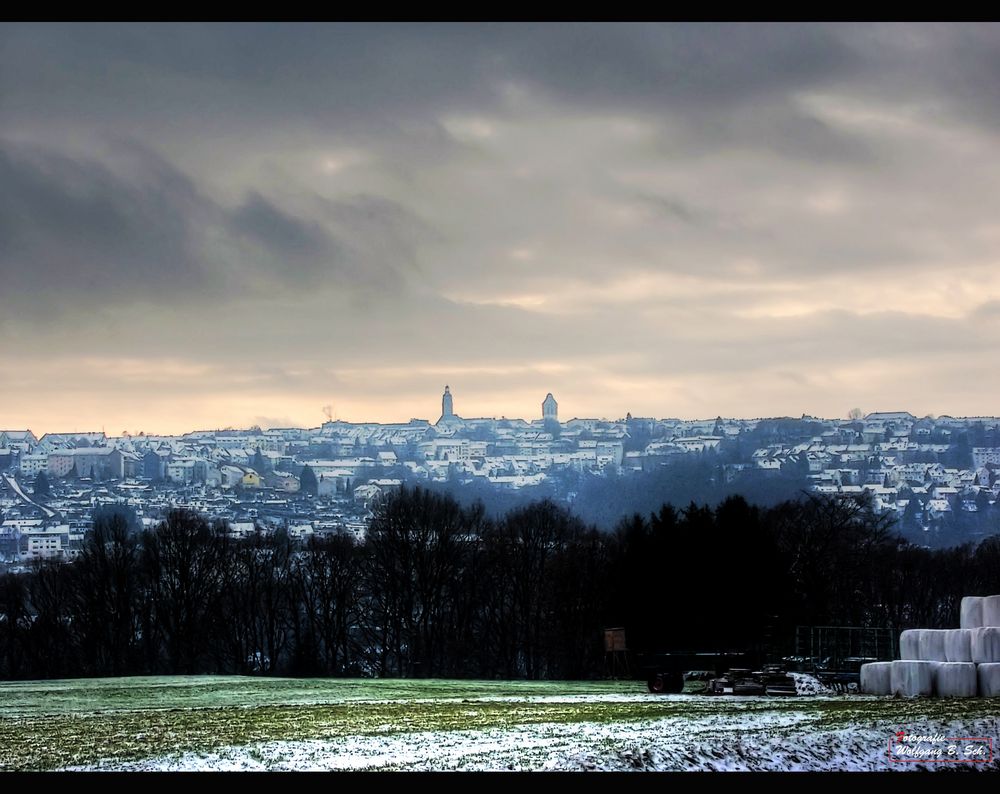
{"type": "Point", "coordinates": [415, 548]}
{"type": "Point", "coordinates": [106, 594]}
{"type": "Point", "coordinates": [183, 559]}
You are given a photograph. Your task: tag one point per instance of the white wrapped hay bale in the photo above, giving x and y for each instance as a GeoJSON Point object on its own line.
{"type": "Point", "coordinates": [876, 678]}
{"type": "Point", "coordinates": [958, 645]}
{"type": "Point", "coordinates": [912, 678]}
{"type": "Point", "coordinates": [989, 680]}
{"type": "Point", "coordinates": [931, 645]}
{"type": "Point", "coordinates": [955, 680]}
{"type": "Point", "coordinates": [971, 612]}
{"type": "Point", "coordinates": [909, 644]}
{"type": "Point", "coordinates": [986, 645]}
{"type": "Point", "coordinates": [991, 611]}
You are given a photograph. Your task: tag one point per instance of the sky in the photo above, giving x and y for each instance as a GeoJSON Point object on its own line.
{"type": "Point", "coordinates": [206, 226]}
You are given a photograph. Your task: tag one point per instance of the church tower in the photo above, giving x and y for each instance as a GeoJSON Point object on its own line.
{"type": "Point", "coordinates": [550, 408]}
{"type": "Point", "coordinates": [447, 407]}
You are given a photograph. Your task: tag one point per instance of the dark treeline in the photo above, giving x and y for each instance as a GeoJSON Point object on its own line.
{"type": "Point", "coordinates": [438, 589]}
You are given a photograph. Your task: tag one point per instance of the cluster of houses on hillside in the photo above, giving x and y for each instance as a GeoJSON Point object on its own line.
{"type": "Point", "coordinates": [929, 466]}
{"type": "Point", "coordinates": [326, 479]}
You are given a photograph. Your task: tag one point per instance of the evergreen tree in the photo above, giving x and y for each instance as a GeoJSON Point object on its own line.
{"type": "Point", "coordinates": [308, 481]}
{"type": "Point", "coordinates": [41, 484]}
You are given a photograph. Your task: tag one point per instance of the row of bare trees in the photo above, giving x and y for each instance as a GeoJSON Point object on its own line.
{"type": "Point", "coordinates": [441, 590]}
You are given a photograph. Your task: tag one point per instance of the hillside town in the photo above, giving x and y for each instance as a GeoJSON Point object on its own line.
{"type": "Point", "coordinates": [324, 480]}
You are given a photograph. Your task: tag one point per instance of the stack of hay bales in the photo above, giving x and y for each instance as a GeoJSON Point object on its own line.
{"type": "Point", "coordinates": [959, 662]}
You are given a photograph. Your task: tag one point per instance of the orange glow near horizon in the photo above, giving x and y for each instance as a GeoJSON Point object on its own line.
{"type": "Point", "coordinates": [702, 397]}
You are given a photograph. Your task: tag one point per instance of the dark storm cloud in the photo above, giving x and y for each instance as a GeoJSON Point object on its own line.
{"type": "Point", "coordinates": [245, 71]}
{"type": "Point", "coordinates": [384, 232]}
{"type": "Point", "coordinates": [260, 220]}
{"type": "Point", "coordinates": [674, 208]}
{"type": "Point", "coordinates": [644, 208]}
{"type": "Point", "coordinates": [78, 233]}
{"type": "Point", "coordinates": [344, 73]}
{"type": "Point", "coordinates": [350, 76]}
{"type": "Point", "coordinates": [74, 227]}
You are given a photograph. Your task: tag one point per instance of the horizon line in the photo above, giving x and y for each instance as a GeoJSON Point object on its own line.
{"type": "Point", "coordinates": [802, 417]}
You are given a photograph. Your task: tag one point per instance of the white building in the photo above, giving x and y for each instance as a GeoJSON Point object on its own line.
{"type": "Point", "coordinates": [984, 455]}
{"type": "Point", "coordinates": [31, 465]}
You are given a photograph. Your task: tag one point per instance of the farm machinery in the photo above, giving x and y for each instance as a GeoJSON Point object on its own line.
{"type": "Point", "coordinates": [832, 655]}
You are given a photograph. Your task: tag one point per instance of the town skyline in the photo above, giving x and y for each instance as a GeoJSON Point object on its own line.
{"type": "Point", "coordinates": [328, 413]}
{"type": "Point", "coordinates": [941, 473]}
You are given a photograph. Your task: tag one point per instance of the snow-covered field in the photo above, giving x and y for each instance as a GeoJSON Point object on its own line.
{"type": "Point", "coordinates": [751, 741]}
{"type": "Point", "coordinates": [213, 723]}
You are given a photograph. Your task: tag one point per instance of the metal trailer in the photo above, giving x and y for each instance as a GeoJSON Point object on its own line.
{"type": "Point", "coordinates": [665, 672]}
{"type": "Point", "coordinates": [834, 654]}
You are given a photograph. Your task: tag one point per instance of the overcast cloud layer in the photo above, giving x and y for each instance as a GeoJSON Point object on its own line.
{"type": "Point", "coordinates": [219, 225]}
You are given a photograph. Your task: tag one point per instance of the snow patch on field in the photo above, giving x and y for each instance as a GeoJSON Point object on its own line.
{"type": "Point", "coordinates": [638, 697]}
{"type": "Point", "coordinates": [806, 684]}
{"type": "Point", "coordinates": [854, 749]}
{"type": "Point", "coordinates": [746, 740]}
